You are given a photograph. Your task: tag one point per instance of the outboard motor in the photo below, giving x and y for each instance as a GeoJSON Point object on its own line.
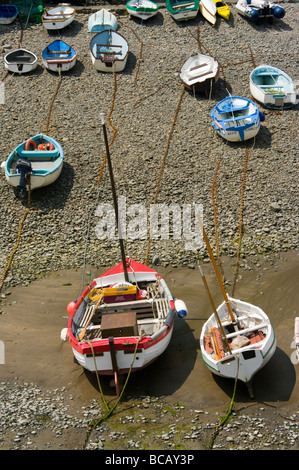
{"type": "Point", "coordinates": [24, 167]}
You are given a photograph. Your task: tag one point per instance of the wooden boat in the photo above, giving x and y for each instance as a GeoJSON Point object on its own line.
{"type": "Point", "coordinates": [59, 56]}
{"type": "Point", "coordinates": [20, 61]}
{"type": "Point", "coordinates": [238, 339]}
{"type": "Point", "coordinates": [200, 72]}
{"type": "Point", "coordinates": [259, 9]}
{"type": "Point", "coordinates": [8, 13]}
{"type": "Point", "coordinates": [109, 51]}
{"type": "Point", "coordinates": [123, 321]}
{"type": "Point", "coordinates": [222, 9]}
{"type": "Point", "coordinates": [208, 10]}
{"type": "Point", "coordinates": [102, 20]}
{"type": "Point", "coordinates": [236, 118]}
{"type": "Point", "coordinates": [272, 87]}
{"type": "Point", "coordinates": [36, 162]}
{"type": "Point", "coordinates": [143, 9]}
{"type": "Point", "coordinates": [58, 17]}
{"type": "Point", "coordinates": [182, 10]}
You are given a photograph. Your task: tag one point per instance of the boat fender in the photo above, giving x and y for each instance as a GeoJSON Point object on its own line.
{"type": "Point", "coordinates": [41, 147]}
{"type": "Point", "coordinates": [278, 12]}
{"type": "Point", "coordinates": [3, 165]}
{"type": "Point", "coordinates": [262, 116]}
{"type": "Point", "coordinates": [50, 146]}
{"type": "Point", "coordinates": [64, 334]}
{"type": "Point", "coordinates": [141, 294]}
{"type": "Point", "coordinates": [71, 307]}
{"type": "Point", "coordinates": [181, 308]}
{"type": "Point", "coordinates": [30, 142]}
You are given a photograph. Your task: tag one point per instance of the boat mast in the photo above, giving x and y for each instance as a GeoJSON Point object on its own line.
{"type": "Point", "coordinates": [215, 268]}
{"type": "Point", "coordinates": [214, 308]}
{"type": "Point", "coordinates": [120, 239]}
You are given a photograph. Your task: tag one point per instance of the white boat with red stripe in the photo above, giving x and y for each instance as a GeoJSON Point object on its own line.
{"type": "Point", "coordinates": [117, 326]}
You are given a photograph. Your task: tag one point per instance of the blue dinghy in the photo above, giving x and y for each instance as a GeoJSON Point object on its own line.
{"type": "Point", "coordinates": [37, 161]}
{"type": "Point", "coordinates": [8, 13]}
{"type": "Point", "coordinates": [236, 119]}
{"type": "Point", "coordinates": [59, 56]}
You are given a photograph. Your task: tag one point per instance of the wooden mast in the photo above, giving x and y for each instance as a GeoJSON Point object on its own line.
{"type": "Point", "coordinates": [214, 308]}
{"type": "Point", "coordinates": [215, 268]}
{"type": "Point", "coordinates": [122, 249]}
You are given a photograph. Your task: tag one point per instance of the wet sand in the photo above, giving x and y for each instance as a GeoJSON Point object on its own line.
{"type": "Point", "coordinates": [34, 316]}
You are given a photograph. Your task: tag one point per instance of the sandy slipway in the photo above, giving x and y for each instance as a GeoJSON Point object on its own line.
{"type": "Point", "coordinates": [176, 404]}
{"type": "Point", "coordinates": [146, 96]}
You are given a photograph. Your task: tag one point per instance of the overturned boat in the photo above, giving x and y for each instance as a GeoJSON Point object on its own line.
{"type": "Point", "coordinates": [102, 20]}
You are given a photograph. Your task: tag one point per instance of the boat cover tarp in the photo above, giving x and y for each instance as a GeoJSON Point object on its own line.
{"type": "Point", "coordinates": [35, 7]}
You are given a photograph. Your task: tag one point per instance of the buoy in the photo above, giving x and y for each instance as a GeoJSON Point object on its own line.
{"type": "Point", "coordinates": [180, 307]}
{"type": "Point", "coordinates": [64, 334]}
{"type": "Point", "coordinates": [141, 294]}
{"type": "Point", "coordinates": [71, 307]}
{"type": "Point", "coordinates": [262, 117]}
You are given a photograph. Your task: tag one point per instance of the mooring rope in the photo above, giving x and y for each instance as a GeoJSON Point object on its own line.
{"type": "Point", "coordinates": [215, 203]}
{"type": "Point", "coordinates": [53, 99]}
{"type": "Point", "coordinates": [95, 423]}
{"type": "Point", "coordinates": [30, 208]}
{"type": "Point", "coordinates": [240, 227]}
{"type": "Point", "coordinates": [162, 166]}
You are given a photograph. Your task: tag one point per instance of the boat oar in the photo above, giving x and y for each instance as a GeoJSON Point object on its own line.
{"type": "Point", "coordinates": [214, 308]}
{"type": "Point", "coordinates": [215, 268]}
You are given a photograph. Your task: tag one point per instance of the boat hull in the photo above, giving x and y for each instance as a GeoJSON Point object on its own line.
{"type": "Point", "coordinates": [8, 14]}
{"type": "Point", "coordinates": [245, 361]}
{"type": "Point", "coordinates": [200, 73]}
{"type": "Point", "coordinates": [236, 119]}
{"type": "Point", "coordinates": [144, 9]}
{"type": "Point", "coordinates": [102, 20]}
{"type": "Point", "coordinates": [127, 333]}
{"type": "Point", "coordinates": [59, 17]}
{"type": "Point", "coordinates": [208, 10]}
{"type": "Point", "coordinates": [182, 10]}
{"type": "Point", "coordinates": [20, 61]}
{"type": "Point", "coordinates": [46, 165]}
{"type": "Point", "coordinates": [59, 57]}
{"type": "Point", "coordinates": [272, 87]}
{"type": "Point", "coordinates": [109, 51]}
{"type": "Point", "coordinates": [259, 10]}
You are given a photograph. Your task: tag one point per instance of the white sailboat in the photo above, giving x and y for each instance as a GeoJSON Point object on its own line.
{"type": "Point", "coordinates": [238, 339]}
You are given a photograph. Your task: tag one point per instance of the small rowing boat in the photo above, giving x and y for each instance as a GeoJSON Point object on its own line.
{"type": "Point", "coordinates": [200, 72]}
{"type": "Point", "coordinates": [59, 56]}
{"type": "Point", "coordinates": [35, 163]}
{"type": "Point", "coordinates": [222, 9]}
{"type": "Point", "coordinates": [109, 51]}
{"type": "Point", "coordinates": [272, 87]}
{"type": "Point", "coordinates": [58, 17]}
{"type": "Point", "coordinates": [143, 9]}
{"type": "Point", "coordinates": [182, 10]}
{"type": "Point", "coordinates": [236, 118]}
{"type": "Point", "coordinates": [102, 20]}
{"type": "Point", "coordinates": [208, 10]}
{"type": "Point", "coordinates": [8, 13]}
{"type": "Point", "coordinates": [20, 61]}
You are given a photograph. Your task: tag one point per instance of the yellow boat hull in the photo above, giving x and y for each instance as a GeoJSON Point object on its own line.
{"type": "Point", "coordinates": [223, 9]}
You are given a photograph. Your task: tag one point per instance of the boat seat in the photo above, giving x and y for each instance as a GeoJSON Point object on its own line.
{"type": "Point", "coordinates": [66, 52]}
{"type": "Point", "coordinates": [183, 5]}
{"type": "Point", "coordinates": [39, 154]}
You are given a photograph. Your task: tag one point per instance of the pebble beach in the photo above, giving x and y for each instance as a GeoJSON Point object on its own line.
{"type": "Point", "coordinates": [163, 150]}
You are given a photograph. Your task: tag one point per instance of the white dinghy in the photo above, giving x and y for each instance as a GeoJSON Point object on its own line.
{"type": "Point", "coordinates": [109, 51]}
{"type": "Point", "coordinates": [20, 61]}
{"type": "Point", "coordinates": [238, 339]}
{"type": "Point", "coordinates": [208, 10]}
{"type": "Point", "coordinates": [272, 87]}
{"type": "Point", "coordinates": [58, 17]}
{"type": "Point", "coordinates": [200, 72]}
